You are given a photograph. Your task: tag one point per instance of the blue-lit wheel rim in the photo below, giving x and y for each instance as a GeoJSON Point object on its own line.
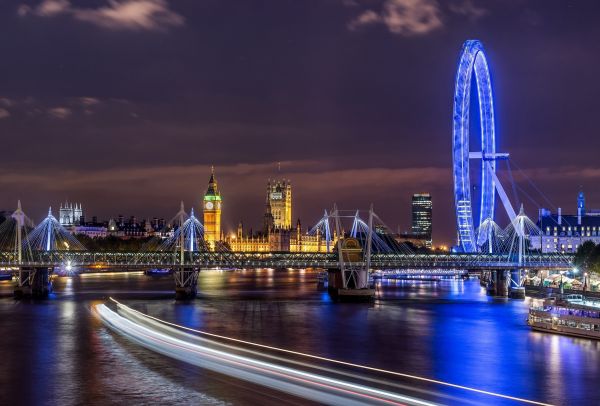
{"type": "Point", "coordinates": [472, 59]}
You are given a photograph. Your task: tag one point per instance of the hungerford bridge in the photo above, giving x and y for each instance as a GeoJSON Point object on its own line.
{"type": "Point", "coordinates": [32, 253]}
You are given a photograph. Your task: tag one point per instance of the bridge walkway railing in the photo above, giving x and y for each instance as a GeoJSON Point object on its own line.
{"type": "Point", "coordinates": [280, 260]}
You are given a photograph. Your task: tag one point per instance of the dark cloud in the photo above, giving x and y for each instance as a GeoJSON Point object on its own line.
{"type": "Point", "coordinates": [128, 119]}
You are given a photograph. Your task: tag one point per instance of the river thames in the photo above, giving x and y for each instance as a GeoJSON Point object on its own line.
{"type": "Point", "coordinates": [58, 352]}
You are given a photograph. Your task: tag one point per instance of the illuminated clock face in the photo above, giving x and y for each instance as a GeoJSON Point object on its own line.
{"type": "Point", "coordinates": [209, 205]}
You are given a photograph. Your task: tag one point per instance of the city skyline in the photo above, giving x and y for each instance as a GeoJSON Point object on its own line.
{"type": "Point", "coordinates": [279, 206]}
{"type": "Point", "coordinates": [368, 107]}
{"type": "Point", "coordinates": [256, 220]}
{"type": "Point", "coordinates": [273, 202]}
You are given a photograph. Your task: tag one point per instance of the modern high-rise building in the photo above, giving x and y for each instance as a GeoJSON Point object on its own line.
{"type": "Point", "coordinates": [279, 204]}
{"type": "Point", "coordinates": [70, 214]}
{"type": "Point", "coordinates": [212, 212]}
{"type": "Point", "coordinates": [421, 217]}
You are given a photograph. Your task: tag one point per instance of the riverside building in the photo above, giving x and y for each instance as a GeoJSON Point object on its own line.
{"type": "Point", "coordinates": [277, 234]}
{"type": "Point", "coordinates": [566, 232]}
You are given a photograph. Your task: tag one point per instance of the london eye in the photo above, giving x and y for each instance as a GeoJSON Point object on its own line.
{"type": "Point", "coordinates": [473, 62]}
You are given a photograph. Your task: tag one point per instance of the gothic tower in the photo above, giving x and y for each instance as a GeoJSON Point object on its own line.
{"type": "Point", "coordinates": [212, 212]}
{"type": "Point", "coordinates": [279, 201]}
{"type": "Point", "coordinates": [268, 218]}
{"type": "Point", "coordinates": [69, 214]}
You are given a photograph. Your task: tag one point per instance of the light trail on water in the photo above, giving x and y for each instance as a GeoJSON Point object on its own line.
{"type": "Point", "coordinates": [290, 380]}
{"type": "Point", "coordinates": [330, 360]}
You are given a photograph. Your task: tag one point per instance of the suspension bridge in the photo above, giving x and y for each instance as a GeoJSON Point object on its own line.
{"type": "Point", "coordinates": [501, 254]}
{"type": "Point", "coordinates": [32, 253]}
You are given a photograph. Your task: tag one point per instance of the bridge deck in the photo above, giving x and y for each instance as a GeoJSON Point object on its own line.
{"type": "Point", "coordinates": [280, 260]}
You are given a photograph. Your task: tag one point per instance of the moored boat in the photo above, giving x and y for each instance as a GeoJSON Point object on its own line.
{"type": "Point", "coordinates": [573, 315]}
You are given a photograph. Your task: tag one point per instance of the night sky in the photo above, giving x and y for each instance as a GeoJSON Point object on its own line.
{"type": "Point", "coordinates": [123, 105]}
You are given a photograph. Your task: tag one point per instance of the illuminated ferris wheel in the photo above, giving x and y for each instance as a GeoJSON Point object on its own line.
{"type": "Point", "coordinates": [473, 61]}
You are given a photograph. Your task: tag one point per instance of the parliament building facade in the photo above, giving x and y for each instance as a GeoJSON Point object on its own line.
{"type": "Point", "coordinates": [277, 235]}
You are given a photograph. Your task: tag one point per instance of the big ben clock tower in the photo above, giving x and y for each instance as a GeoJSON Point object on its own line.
{"type": "Point", "coordinates": [212, 212]}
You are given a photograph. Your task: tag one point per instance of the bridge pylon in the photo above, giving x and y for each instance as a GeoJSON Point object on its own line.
{"type": "Point", "coordinates": [350, 282]}
{"type": "Point", "coordinates": [186, 283]}
{"type": "Point", "coordinates": [186, 242]}
{"type": "Point", "coordinates": [186, 278]}
{"type": "Point", "coordinates": [47, 239]}
{"type": "Point", "coordinates": [31, 281]}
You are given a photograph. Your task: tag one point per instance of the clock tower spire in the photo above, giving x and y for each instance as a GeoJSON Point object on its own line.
{"type": "Point", "coordinates": [212, 212]}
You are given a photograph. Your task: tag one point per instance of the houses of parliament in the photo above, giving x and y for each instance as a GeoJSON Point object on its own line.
{"type": "Point", "coordinates": [277, 234]}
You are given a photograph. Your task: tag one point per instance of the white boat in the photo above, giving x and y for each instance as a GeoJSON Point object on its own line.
{"type": "Point", "coordinates": [572, 315]}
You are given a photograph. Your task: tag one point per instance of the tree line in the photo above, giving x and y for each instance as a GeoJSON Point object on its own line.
{"type": "Point", "coordinates": [587, 257]}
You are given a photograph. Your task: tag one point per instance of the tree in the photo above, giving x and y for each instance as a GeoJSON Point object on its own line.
{"type": "Point", "coordinates": [595, 260]}
{"type": "Point", "coordinates": [112, 243]}
{"type": "Point", "coordinates": [583, 256]}
{"type": "Point", "coordinates": [587, 257]}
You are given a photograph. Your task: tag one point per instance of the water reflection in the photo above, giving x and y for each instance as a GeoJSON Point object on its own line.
{"type": "Point", "coordinates": [447, 329]}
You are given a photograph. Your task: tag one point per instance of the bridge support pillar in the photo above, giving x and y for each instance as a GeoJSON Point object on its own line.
{"type": "Point", "coordinates": [485, 278]}
{"type": "Point", "coordinates": [517, 290]}
{"type": "Point", "coordinates": [357, 290]}
{"type": "Point", "coordinates": [498, 285]}
{"type": "Point", "coordinates": [186, 283]}
{"type": "Point", "coordinates": [34, 282]}
{"type": "Point", "coordinates": [334, 280]}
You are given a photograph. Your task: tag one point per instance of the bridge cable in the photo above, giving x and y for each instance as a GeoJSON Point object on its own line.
{"type": "Point", "coordinates": [552, 206]}
{"type": "Point", "coordinates": [513, 184]}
